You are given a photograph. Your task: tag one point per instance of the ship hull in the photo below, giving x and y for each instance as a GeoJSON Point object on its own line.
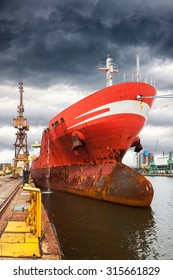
{"type": "Point", "coordinates": [114, 182]}
{"type": "Point", "coordinates": [83, 147]}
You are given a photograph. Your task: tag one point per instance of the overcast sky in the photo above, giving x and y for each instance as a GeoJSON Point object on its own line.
{"type": "Point", "coordinates": [54, 47]}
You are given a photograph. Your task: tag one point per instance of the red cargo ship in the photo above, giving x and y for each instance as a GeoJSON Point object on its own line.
{"type": "Point", "coordinates": [82, 149]}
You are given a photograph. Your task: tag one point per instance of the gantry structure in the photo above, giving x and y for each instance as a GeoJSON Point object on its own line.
{"type": "Point", "coordinates": [20, 123]}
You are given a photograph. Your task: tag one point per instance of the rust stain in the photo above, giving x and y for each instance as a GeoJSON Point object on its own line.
{"type": "Point", "coordinates": [114, 182]}
{"type": "Point", "coordinates": [141, 105]}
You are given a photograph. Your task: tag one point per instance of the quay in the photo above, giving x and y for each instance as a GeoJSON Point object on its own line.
{"type": "Point", "coordinates": [20, 237]}
{"type": "Point", "coordinates": [158, 174]}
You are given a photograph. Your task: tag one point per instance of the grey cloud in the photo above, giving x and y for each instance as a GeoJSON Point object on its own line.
{"type": "Point", "coordinates": [163, 120]}
{"type": "Point", "coordinates": [8, 136]}
{"type": "Point", "coordinates": [65, 39]}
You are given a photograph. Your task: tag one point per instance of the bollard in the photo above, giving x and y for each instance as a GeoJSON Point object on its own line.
{"type": "Point", "coordinates": [34, 217]}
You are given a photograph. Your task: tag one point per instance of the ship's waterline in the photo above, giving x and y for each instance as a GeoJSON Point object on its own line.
{"type": "Point", "coordinates": [103, 182]}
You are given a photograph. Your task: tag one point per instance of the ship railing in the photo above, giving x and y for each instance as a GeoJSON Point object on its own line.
{"type": "Point", "coordinates": [135, 77]}
{"type": "Point", "coordinates": [102, 65]}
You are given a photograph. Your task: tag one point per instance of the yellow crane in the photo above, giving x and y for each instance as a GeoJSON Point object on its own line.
{"type": "Point", "coordinates": [21, 149]}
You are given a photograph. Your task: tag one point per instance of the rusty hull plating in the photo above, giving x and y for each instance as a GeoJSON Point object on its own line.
{"type": "Point", "coordinates": [114, 182]}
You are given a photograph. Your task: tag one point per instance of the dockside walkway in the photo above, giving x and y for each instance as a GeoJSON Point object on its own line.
{"type": "Point", "coordinates": [17, 240]}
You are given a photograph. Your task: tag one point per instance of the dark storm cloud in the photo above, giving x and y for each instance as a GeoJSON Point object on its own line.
{"type": "Point", "coordinates": [47, 41]}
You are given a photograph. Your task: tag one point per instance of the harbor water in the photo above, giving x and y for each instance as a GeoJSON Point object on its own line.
{"type": "Point", "coordinates": [89, 229]}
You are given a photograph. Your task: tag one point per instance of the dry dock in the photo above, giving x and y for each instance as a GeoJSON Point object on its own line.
{"type": "Point", "coordinates": [18, 240]}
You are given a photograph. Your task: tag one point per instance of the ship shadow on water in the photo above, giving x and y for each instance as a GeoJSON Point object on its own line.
{"type": "Point", "coordinates": [93, 229]}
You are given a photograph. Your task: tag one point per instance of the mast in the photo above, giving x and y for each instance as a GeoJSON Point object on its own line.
{"type": "Point", "coordinates": [138, 68]}
{"type": "Point", "coordinates": [109, 68]}
{"type": "Point", "coordinates": [21, 106]}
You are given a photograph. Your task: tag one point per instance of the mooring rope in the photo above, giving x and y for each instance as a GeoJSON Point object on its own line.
{"type": "Point", "coordinates": [160, 96]}
{"type": "Point", "coordinates": [139, 97]}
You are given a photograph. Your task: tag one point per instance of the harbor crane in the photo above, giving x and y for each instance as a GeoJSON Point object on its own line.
{"type": "Point", "coordinates": [20, 123]}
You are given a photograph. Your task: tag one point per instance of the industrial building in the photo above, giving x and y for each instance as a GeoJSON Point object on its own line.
{"type": "Point", "coordinates": [146, 162]}
{"type": "Point", "coordinates": [142, 158]}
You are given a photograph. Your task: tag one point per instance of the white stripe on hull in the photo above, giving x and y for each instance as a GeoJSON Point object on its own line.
{"type": "Point", "coordinates": [118, 107]}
